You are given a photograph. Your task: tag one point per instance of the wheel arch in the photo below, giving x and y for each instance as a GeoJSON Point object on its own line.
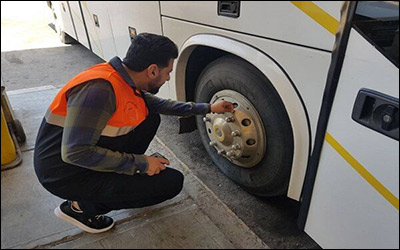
{"type": "Point", "coordinates": [201, 49]}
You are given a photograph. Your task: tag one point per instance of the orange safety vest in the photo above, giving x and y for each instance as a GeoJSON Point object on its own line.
{"type": "Point", "coordinates": [130, 111]}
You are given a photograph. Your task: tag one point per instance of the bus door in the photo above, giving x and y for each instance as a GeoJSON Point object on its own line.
{"type": "Point", "coordinates": [354, 201]}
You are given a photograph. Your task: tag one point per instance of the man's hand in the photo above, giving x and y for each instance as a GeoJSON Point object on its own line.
{"type": "Point", "coordinates": [222, 107]}
{"type": "Point", "coordinates": [156, 165]}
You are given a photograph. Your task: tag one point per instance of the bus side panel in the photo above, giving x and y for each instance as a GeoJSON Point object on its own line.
{"type": "Point", "coordinates": [64, 18]}
{"type": "Point", "coordinates": [99, 29]}
{"type": "Point", "coordinates": [355, 196]}
{"type": "Point", "coordinates": [142, 16]}
{"type": "Point", "coordinates": [109, 23]}
{"type": "Point", "coordinates": [78, 22]}
{"type": "Point", "coordinates": [278, 20]}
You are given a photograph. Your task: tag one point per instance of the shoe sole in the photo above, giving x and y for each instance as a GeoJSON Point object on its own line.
{"type": "Point", "coordinates": [79, 224]}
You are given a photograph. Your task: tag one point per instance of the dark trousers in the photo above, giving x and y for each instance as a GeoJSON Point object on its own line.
{"type": "Point", "coordinates": [101, 192]}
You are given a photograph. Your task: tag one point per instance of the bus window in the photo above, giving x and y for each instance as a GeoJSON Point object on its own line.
{"type": "Point", "coordinates": [378, 22]}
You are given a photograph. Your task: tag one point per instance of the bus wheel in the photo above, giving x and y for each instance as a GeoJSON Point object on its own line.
{"type": "Point", "coordinates": [254, 146]}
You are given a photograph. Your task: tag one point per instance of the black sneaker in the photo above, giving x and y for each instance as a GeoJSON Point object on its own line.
{"type": "Point", "coordinates": [91, 224]}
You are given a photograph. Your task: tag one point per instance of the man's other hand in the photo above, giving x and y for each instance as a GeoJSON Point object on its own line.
{"type": "Point", "coordinates": [156, 165]}
{"type": "Point", "coordinates": [222, 107]}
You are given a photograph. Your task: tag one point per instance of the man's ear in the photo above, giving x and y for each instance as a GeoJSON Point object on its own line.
{"type": "Point", "coordinates": [152, 71]}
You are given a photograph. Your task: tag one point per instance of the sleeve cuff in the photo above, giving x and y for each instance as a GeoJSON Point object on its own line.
{"type": "Point", "coordinates": [208, 108]}
{"type": "Point", "coordinates": [203, 108]}
{"type": "Point", "coordinates": [141, 164]}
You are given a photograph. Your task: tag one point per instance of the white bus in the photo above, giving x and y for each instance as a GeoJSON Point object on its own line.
{"type": "Point", "coordinates": [315, 86]}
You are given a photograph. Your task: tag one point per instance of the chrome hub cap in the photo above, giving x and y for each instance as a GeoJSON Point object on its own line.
{"type": "Point", "coordinates": [239, 137]}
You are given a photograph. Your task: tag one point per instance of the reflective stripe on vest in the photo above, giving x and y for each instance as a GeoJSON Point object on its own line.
{"type": "Point", "coordinates": [130, 109]}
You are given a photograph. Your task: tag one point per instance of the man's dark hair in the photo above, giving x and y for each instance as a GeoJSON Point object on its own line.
{"type": "Point", "coordinates": [147, 49]}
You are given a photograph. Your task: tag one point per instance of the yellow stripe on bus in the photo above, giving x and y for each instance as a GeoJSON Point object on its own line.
{"type": "Point", "coordinates": [391, 198]}
{"type": "Point", "coordinates": [319, 15]}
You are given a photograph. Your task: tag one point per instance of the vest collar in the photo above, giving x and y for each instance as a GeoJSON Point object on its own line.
{"type": "Point", "coordinates": [116, 63]}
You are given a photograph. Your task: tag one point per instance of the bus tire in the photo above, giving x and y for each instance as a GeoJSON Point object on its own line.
{"type": "Point", "coordinates": [270, 176]}
{"type": "Point", "coordinates": [66, 39]}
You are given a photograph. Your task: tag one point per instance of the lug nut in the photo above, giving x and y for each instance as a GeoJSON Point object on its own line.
{"type": "Point", "coordinates": [221, 151]}
{"type": "Point", "coordinates": [235, 133]}
{"type": "Point", "coordinates": [212, 143]}
{"type": "Point", "coordinates": [206, 119]}
{"type": "Point", "coordinates": [236, 146]}
{"type": "Point", "coordinates": [230, 154]}
{"type": "Point", "coordinates": [229, 119]}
